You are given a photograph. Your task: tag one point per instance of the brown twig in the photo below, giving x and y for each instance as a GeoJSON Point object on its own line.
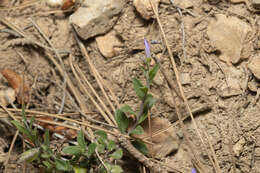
{"type": "Point", "coordinates": [10, 151]}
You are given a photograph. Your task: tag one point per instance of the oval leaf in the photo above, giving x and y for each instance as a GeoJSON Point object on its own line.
{"type": "Point", "coordinates": [118, 154]}
{"type": "Point", "coordinates": [139, 145]}
{"type": "Point", "coordinates": [153, 72]}
{"type": "Point", "coordinates": [121, 120]}
{"type": "Point", "coordinates": [72, 150]}
{"type": "Point", "coordinates": [138, 88]}
{"type": "Point", "coordinates": [138, 130]}
{"type": "Point", "coordinates": [29, 155]}
{"type": "Point", "coordinates": [81, 140]}
{"type": "Point", "coordinates": [91, 149]}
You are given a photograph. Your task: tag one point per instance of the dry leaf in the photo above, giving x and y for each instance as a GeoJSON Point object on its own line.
{"type": "Point", "coordinates": [7, 96]}
{"type": "Point", "coordinates": [71, 133]}
{"type": "Point", "coordinates": [164, 142]}
{"type": "Point", "coordinates": [16, 82]}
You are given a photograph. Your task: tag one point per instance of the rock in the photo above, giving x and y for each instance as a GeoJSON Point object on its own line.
{"type": "Point", "coordinates": [96, 17]}
{"type": "Point", "coordinates": [109, 45]}
{"type": "Point", "coordinates": [183, 3]}
{"type": "Point", "coordinates": [254, 66]}
{"type": "Point", "coordinates": [253, 85]}
{"type": "Point", "coordinates": [7, 96]}
{"type": "Point", "coordinates": [256, 3]}
{"type": "Point", "coordinates": [185, 78]}
{"type": "Point", "coordinates": [232, 85]}
{"type": "Point", "coordinates": [238, 147]}
{"type": "Point", "coordinates": [227, 35]}
{"type": "Point", "coordinates": [165, 142]}
{"type": "Point", "coordinates": [144, 8]}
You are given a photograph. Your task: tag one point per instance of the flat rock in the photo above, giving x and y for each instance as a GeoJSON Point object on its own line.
{"type": "Point", "coordinates": [227, 35]}
{"type": "Point", "coordinates": [238, 147]}
{"type": "Point", "coordinates": [7, 96]}
{"type": "Point", "coordinates": [109, 45]}
{"type": "Point", "coordinates": [96, 17]}
{"type": "Point", "coordinates": [165, 142]}
{"type": "Point", "coordinates": [254, 66]}
{"type": "Point", "coordinates": [183, 3]}
{"type": "Point", "coordinates": [145, 9]}
{"type": "Point", "coordinates": [256, 3]}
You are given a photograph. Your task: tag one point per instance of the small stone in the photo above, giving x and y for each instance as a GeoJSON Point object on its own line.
{"type": "Point", "coordinates": [256, 3]}
{"type": "Point", "coordinates": [183, 3]}
{"type": "Point", "coordinates": [96, 17]}
{"type": "Point", "coordinates": [185, 78]}
{"type": "Point", "coordinates": [238, 147]}
{"type": "Point", "coordinates": [109, 45]}
{"type": "Point", "coordinates": [254, 66]}
{"type": "Point", "coordinates": [7, 96]}
{"type": "Point", "coordinates": [145, 9]}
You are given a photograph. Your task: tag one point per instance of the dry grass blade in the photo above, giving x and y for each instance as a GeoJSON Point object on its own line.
{"type": "Point", "coordinates": [61, 62]}
{"type": "Point", "coordinates": [93, 90]}
{"type": "Point", "coordinates": [89, 95]}
{"type": "Point", "coordinates": [177, 75]}
{"type": "Point", "coordinates": [10, 151]}
{"type": "Point", "coordinates": [72, 88]}
{"type": "Point", "coordinates": [97, 76]}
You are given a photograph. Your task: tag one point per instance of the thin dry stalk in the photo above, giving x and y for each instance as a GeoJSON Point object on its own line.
{"type": "Point", "coordinates": [97, 76]}
{"type": "Point", "coordinates": [144, 160]}
{"type": "Point", "coordinates": [216, 164]}
{"type": "Point", "coordinates": [177, 75]}
{"type": "Point", "coordinates": [61, 62]}
{"type": "Point", "coordinates": [89, 95]}
{"type": "Point", "coordinates": [10, 151]}
{"type": "Point", "coordinates": [92, 89]}
{"type": "Point", "coordinates": [72, 88]}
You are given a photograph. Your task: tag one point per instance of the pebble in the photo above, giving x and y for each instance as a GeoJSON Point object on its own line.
{"type": "Point", "coordinates": [96, 17]}
{"type": "Point", "coordinates": [254, 66]}
{"type": "Point", "coordinates": [230, 45]}
{"type": "Point", "coordinates": [145, 9]}
{"type": "Point", "coordinates": [256, 3]}
{"type": "Point", "coordinates": [109, 45]}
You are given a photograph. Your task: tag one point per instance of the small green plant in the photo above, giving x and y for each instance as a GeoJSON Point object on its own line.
{"type": "Point", "coordinates": [147, 101]}
{"type": "Point", "coordinates": [82, 157]}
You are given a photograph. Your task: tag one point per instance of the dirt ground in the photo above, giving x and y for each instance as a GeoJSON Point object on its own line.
{"type": "Point", "coordinates": [221, 90]}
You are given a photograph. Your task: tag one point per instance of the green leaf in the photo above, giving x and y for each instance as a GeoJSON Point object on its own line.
{"type": "Point", "coordinates": [62, 165]}
{"type": "Point", "coordinates": [47, 138]}
{"type": "Point", "coordinates": [72, 150]}
{"type": "Point", "coordinates": [127, 109]}
{"type": "Point", "coordinates": [29, 155]}
{"type": "Point", "coordinates": [81, 140]}
{"type": "Point", "coordinates": [111, 145]}
{"type": "Point", "coordinates": [31, 121]}
{"type": "Point", "coordinates": [91, 149]}
{"type": "Point", "coordinates": [101, 148]}
{"type": "Point", "coordinates": [118, 154]}
{"type": "Point", "coordinates": [149, 101]}
{"type": "Point", "coordinates": [47, 164]}
{"type": "Point", "coordinates": [139, 145]}
{"type": "Point", "coordinates": [142, 117]}
{"type": "Point", "coordinates": [21, 128]}
{"type": "Point", "coordinates": [79, 169]}
{"type": "Point", "coordinates": [138, 130]}
{"type": "Point", "coordinates": [102, 134]}
{"type": "Point", "coordinates": [121, 120]}
{"type": "Point", "coordinates": [138, 88]}
{"type": "Point", "coordinates": [153, 72]}
{"type": "Point", "coordinates": [116, 169]}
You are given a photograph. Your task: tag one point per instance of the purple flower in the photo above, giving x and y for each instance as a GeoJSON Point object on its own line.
{"type": "Point", "coordinates": [193, 170]}
{"type": "Point", "coordinates": [147, 49]}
